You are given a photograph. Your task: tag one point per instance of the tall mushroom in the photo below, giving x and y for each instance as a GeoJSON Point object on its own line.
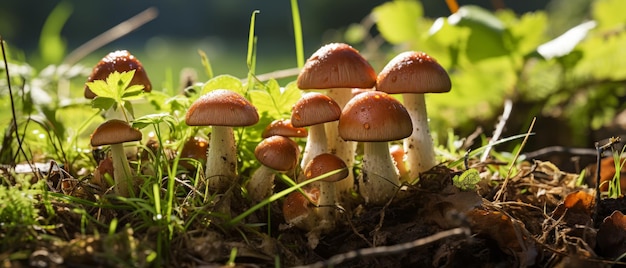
{"type": "Point", "coordinates": [116, 132]}
{"type": "Point", "coordinates": [375, 118]}
{"type": "Point", "coordinates": [222, 109]}
{"type": "Point", "coordinates": [413, 74]}
{"type": "Point", "coordinates": [275, 153]}
{"type": "Point", "coordinates": [313, 110]}
{"type": "Point", "coordinates": [339, 68]}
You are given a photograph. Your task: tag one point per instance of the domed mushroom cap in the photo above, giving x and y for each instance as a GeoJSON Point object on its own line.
{"type": "Point", "coordinates": [374, 116]}
{"type": "Point", "coordinates": [336, 65]}
{"type": "Point", "coordinates": [324, 163]}
{"type": "Point", "coordinates": [283, 127]}
{"type": "Point", "coordinates": [221, 107]}
{"type": "Point", "coordinates": [278, 153]}
{"type": "Point", "coordinates": [114, 131]}
{"type": "Point", "coordinates": [314, 108]}
{"type": "Point", "coordinates": [413, 72]}
{"type": "Point", "coordinates": [120, 61]}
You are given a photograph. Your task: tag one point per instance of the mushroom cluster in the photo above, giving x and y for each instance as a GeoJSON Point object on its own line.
{"type": "Point", "coordinates": [357, 108]}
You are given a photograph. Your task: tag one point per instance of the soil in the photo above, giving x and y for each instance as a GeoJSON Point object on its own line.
{"type": "Point", "coordinates": [539, 216]}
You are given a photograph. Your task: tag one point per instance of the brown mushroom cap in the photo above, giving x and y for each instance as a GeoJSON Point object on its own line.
{"type": "Point", "coordinates": [374, 116]}
{"type": "Point", "coordinates": [283, 127]}
{"type": "Point", "coordinates": [222, 107]}
{"type": "Point", "coordinates": [324, 163]}
{"type": "Point", "coordinates": [314, 108]}
{"type": "Point", "coordinates": [114, 131]}
{"type": "Point", "coordinates": [336, 65]}
{"type": "Point", "coordinates": [120, 61]}
{"type": "Point", "coordinates": [413, 72]}
{"type": "Point", "coordinates": [278, 153]}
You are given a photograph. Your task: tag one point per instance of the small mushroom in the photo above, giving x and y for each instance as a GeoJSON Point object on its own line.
{"type": "Point", "coordinates": [222, 109]}
{"type": "Point", "coordinates": [318, 166]}
{"type": "Point", "coordinates": [120, 61]}
{"type": "Point", "coordinates": [414, 74]}
{"type": "Point", "coordinates": [114, 133]}
{"type": "Point", "coordinates": [375, 118]}
{"type": "Point", "coordinates": [276, 154]}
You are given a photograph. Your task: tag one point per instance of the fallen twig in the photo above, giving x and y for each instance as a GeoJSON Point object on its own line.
{"type": "Point", "coordinates": [387, 250]}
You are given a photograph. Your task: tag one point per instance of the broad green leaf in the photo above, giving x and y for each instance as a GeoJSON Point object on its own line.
{"type": "Point", "coordinates": [133, 92]}
{"type": "Point", "coordinates": [486, 32]}
{"type": "Point", "coordinates": [103, 103]}
{"type": "Point", "coordinates": [224, 82]}
{"type": "Point", "coordinates": [397, 21]}
{"type": "Point", "coordinates": [528, 32]}
{"type": "Point", "coordinates": [274, 100]}
{"type": "Point", "coordinates": [609, 14]}
{"type": "Point", "coordinates": [100, 88]}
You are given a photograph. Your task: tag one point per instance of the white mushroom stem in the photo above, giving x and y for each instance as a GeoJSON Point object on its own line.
{"type": "Point", "coordinates": [316, 144]}
{"type": "Point", "coordinates": [379, 180]}
{"type": "Point", "coordinates": [121, 170]}
{"type": "Point", "coordinates": [326, 210]}
{"type": "Point", "coordinates": [419, 148]}
{"type": "Point", "coordinates": [221, 164]}
{"type": "Point", "coordinates": [345, 150]}
{"type": "Point", "coordinates": [261, 184]}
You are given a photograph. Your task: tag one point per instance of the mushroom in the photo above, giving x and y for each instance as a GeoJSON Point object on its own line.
{"type": "Point", "coordinates": [398, 155]}
{"type": "Point", "coordinates": [318, 166]}
{"type": "Point", "coordinates": [298, 211]}
{"type": "Point", "coordinates": [339, 68]}
{"type": "Point", "coordinates": [375, 118]}
{"type": "Point", "coordinates": [222, 109]}
{"type": "Point", "coordinates": [275, 153]}
{"type": "Point", "coordinates": [115, 132]}
{"type": "Point", "coordinates": [413, 74]}
{"type": "Point", "coordinates": [313, 110]}
{"type": "Point", "coordinates": [120, 61]}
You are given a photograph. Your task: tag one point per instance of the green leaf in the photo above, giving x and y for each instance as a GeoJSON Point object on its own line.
{"type": "Point", "coordinates": [398, 21]}
{"type": "Point", "coordinates": [133, 92]}
{"type": "Point", "coordinates": [274, 100]}
{"type": "Point", "coordinates": [224, 82]}
{"type": "Point", "coordinates": [467, 180]}
{"type": "Point", "coordinates": [486, 39]}
{"type": "Point", "coordinates": [100, 88]}
{"type": "Point", "coordinates": [609, 14]}
{"type": "Point", "coordinates": [103, 103]}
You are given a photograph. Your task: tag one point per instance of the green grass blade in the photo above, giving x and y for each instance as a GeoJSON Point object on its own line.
{"type": "Point", "coordinates": [297, 33]}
